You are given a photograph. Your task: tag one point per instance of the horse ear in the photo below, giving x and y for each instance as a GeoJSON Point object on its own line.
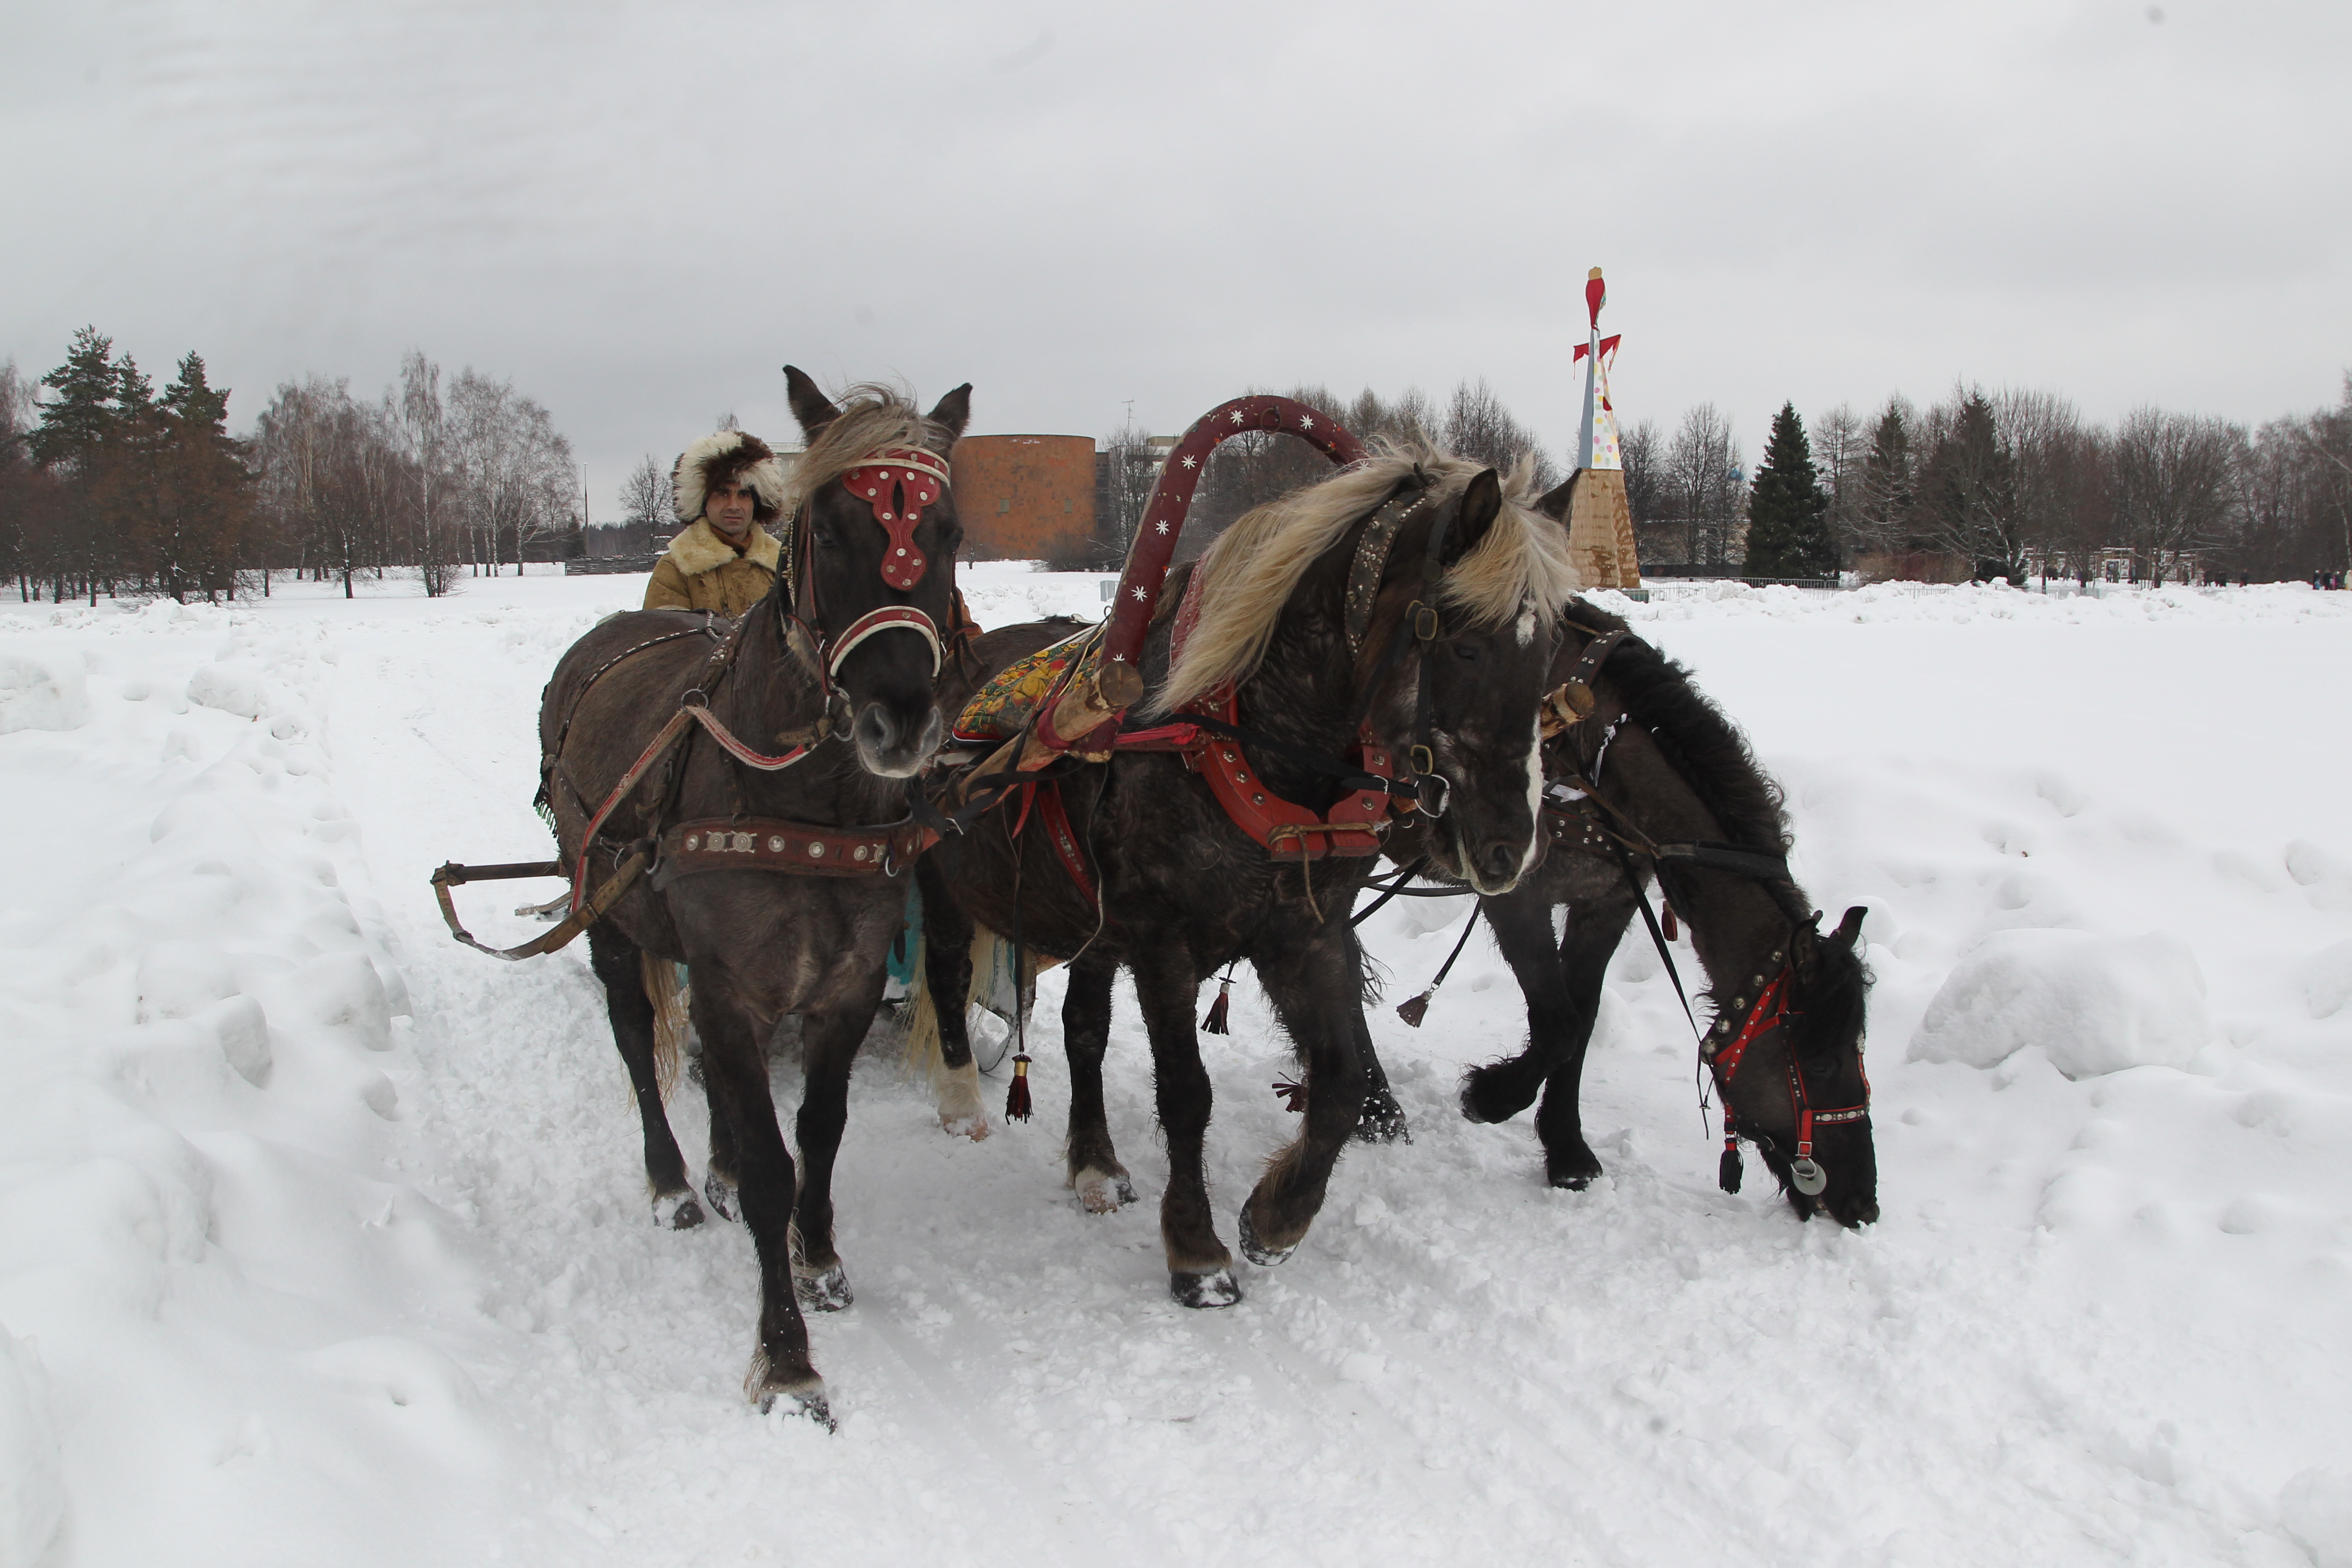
{"type": "Point", "coordinates": [1850, 927]}
{"type": "Point", "coordinates": [810, 407]}
{"type": "Point", "coordinates": [1554, 504]}
{"type": "Point", "coordinates": [954, 412]}
{"type": "Point", "coordinates": [1482, 503]}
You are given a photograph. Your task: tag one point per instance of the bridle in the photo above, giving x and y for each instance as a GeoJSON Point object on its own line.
{"type": "Point", "coordinates": [897, 483]}
{"type": "Point", "coordinates": [1724, 1051]}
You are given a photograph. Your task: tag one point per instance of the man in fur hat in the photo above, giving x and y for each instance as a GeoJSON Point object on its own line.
{"type": "Point", "coordinates": [724, 487]}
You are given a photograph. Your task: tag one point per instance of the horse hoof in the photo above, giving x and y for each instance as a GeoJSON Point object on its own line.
{"type": "Point", "coordinates": [677, 1211]}
{"type": "Point", "coordinates": [1205, 1291]}
{"type": "Point", "coordinates": [1103, 1192]}
{"type": "Point", "coordinates": [1256, 1251]}
{"type": "Point", "coordinates": [1383, 1119]}
{"type": "Point", "coordinates": [823, 1292]}
{"type": "Point", "coordinates": [808, 1401]}
{"type": "Point", "coordinates": [721, 1194]}
{"type": "Point", "coordinates": [973, 1125]}
{"type": "Point", "coordinates": [1491, 1095]}
{"type": "Point", "coordinates": [1574, 1171]}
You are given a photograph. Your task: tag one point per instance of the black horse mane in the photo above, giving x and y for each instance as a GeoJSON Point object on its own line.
{"type": "Point", "coordinates": [1704, 746]}
{"type": "Point", "coordinates": [1715, 760]}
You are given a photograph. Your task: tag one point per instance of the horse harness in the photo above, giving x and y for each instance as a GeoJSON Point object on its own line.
{"type": "Point", "coordinates": [898, 483]}
{"type": "Point", "coordinates": [1723, 1048]}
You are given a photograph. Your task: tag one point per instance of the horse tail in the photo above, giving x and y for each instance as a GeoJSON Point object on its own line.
{"type": "Point", "coordinates": [669, 1001]}
{"type": "Point", "coordinates": [922, 1017]}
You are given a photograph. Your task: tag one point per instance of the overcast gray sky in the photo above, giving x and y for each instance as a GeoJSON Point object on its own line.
{"type": "Point", "coordinates": [639, 213]}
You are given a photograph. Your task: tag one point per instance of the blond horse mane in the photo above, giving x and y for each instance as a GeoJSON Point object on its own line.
{"type": "Point", "coordinates": [1251, 571]}
{"type": "Point", "coordinates": [873, 416]}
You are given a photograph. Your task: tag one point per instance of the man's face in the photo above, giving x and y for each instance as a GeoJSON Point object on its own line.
{"type": "Point", "coordinates": [729, 508]}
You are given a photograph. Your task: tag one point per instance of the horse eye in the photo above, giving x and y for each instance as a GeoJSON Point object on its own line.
{"type": "Point", "coordinates": [1467, 652]}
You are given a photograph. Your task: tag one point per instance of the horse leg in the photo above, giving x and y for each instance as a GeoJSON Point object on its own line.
{"type": "Point", "coordinates": [1200, 1269]}
{"type": "Point", "coordinates": [1101, 1182]}
{"type": "Point", "coordinates": [736, 1065]}
{"type": "Point", "coordinates": [1383, 1118]}
{"type": "Point", "coordinates": [948, 934]}
{"type": "Point", "coordinates": [616, 962]}
{"type": "Point", "coordinates": [719, 1179]}
{"type": "Point", "coordinates": [1499, 1090]}
{"type": "Point", "coordinates": [1594, 930]}
{"type": "Point", "coordinates": [830, 1041]}
{"type": "Point", "coordinates": [1317, 991]}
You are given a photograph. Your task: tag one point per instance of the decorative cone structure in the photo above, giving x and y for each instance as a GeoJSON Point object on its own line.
{"type": "Point", "coordinates": [1600, 523]}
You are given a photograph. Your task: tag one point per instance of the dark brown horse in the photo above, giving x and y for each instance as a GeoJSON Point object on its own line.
{"type": "Point", "coordinates": [1672, 775]}
{"type": "Point", "coordinates": [831, 660]}
{"type": "Point", "coordinates": [1184, 890]}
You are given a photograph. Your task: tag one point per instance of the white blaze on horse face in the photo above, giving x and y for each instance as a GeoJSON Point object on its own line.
{"type": "Point", "coordinates": [1527, 626]}
{"type": "Point", "coordinates": [1535, 793]}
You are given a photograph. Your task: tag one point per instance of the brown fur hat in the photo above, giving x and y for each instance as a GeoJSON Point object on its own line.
{"type": "Point", "coordinates": [719, 457]}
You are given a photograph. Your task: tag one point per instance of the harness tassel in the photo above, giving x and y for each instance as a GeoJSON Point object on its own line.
{"type": "Point", "coordinates": [1221, 1010]}
{"type": "Point", "coordinates": [1412, 1012]}
{"type": "Point", "coordinates": [1726, 1172]}
{"type": "Point", "coordinates": [1016, 1095]}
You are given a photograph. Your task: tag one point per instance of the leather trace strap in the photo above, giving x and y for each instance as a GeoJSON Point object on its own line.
{"type": "Point", "coordinates": [581, 917]}
{"type": "Point", "coordinates": [799, 848]}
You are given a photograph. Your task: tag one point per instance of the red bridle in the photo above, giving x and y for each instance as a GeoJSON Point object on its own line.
{"type": "Point", "coordinates": [1771, 1011]}
{"type": "Point", "coordinates": [899, 482]}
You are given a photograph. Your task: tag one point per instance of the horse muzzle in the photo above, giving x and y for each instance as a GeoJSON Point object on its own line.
{"type": "Point", "coordinates": [895, 743]}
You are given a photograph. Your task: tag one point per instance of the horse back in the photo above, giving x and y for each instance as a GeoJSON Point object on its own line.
{"type": "Point", "coordinates": [637, 663]}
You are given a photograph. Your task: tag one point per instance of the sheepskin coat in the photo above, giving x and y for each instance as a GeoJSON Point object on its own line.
{"type": "Point", "coordinates": [702, 572]}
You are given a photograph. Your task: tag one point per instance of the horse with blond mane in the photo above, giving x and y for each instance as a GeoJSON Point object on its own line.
{"type": "Point", "coordinates": [1407, 606]}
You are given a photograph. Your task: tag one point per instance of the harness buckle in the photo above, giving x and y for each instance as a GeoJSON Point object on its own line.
{"type": "Point", "coordinates": [694, 697]}
{"type": "Point", "coordinates": [1425, 625]}
{"type": "Point", "coordinates": [1431, 802]}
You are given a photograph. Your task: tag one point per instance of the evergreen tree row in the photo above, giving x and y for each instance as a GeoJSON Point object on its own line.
{"type": "Point", "coordinates": [107, 485]}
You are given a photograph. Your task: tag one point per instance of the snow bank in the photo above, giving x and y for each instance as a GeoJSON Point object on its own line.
{"type": "Point", "coordinates": [32, 1485]}
{"type": "Point", "coordinates": [2094, 1004]}
{"type": "Point", "coordinates": [46, 692]}
{"type": "Point", "coordinates": [290, 1275]}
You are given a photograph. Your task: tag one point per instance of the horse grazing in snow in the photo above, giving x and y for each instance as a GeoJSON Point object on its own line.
{"type": "Point", "coordinates": [1454, 604]}
{"type": "Point", "coordinates": [780, 883]}
{"type": "Point", "coordinates": [1652, 780]}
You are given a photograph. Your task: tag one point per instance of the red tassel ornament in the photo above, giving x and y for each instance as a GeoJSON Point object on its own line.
{"type": "Point", "coordinates": [1220, 1011]}
{"type": "Point", "coordinates": [1017, 1096]}
{"type": "Point", "coordinates": [1673, 932]}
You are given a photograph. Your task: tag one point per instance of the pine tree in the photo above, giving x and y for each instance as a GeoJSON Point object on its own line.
{"type": "Point", "coordinates": [202, 503]}
{"type": "Point", "coordinates": [73, 427]}
{"type": "Point", "coordinates": [1788, 515]}
{"type": "Point", "coordinates": [1887, 483]}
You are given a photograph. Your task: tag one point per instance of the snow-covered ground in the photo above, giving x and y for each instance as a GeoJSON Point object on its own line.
{"type": "Point", "coordinates": [323, 1239]}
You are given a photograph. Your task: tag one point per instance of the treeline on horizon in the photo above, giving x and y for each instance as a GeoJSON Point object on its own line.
{"type": "Point", "coordinates": [1982, 484]}
{"type": "Point", "coordinates": [107, 485]}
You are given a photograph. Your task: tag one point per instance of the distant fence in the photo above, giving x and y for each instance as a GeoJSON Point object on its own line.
{"type": "Point", "coordinates": [598, 565]}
